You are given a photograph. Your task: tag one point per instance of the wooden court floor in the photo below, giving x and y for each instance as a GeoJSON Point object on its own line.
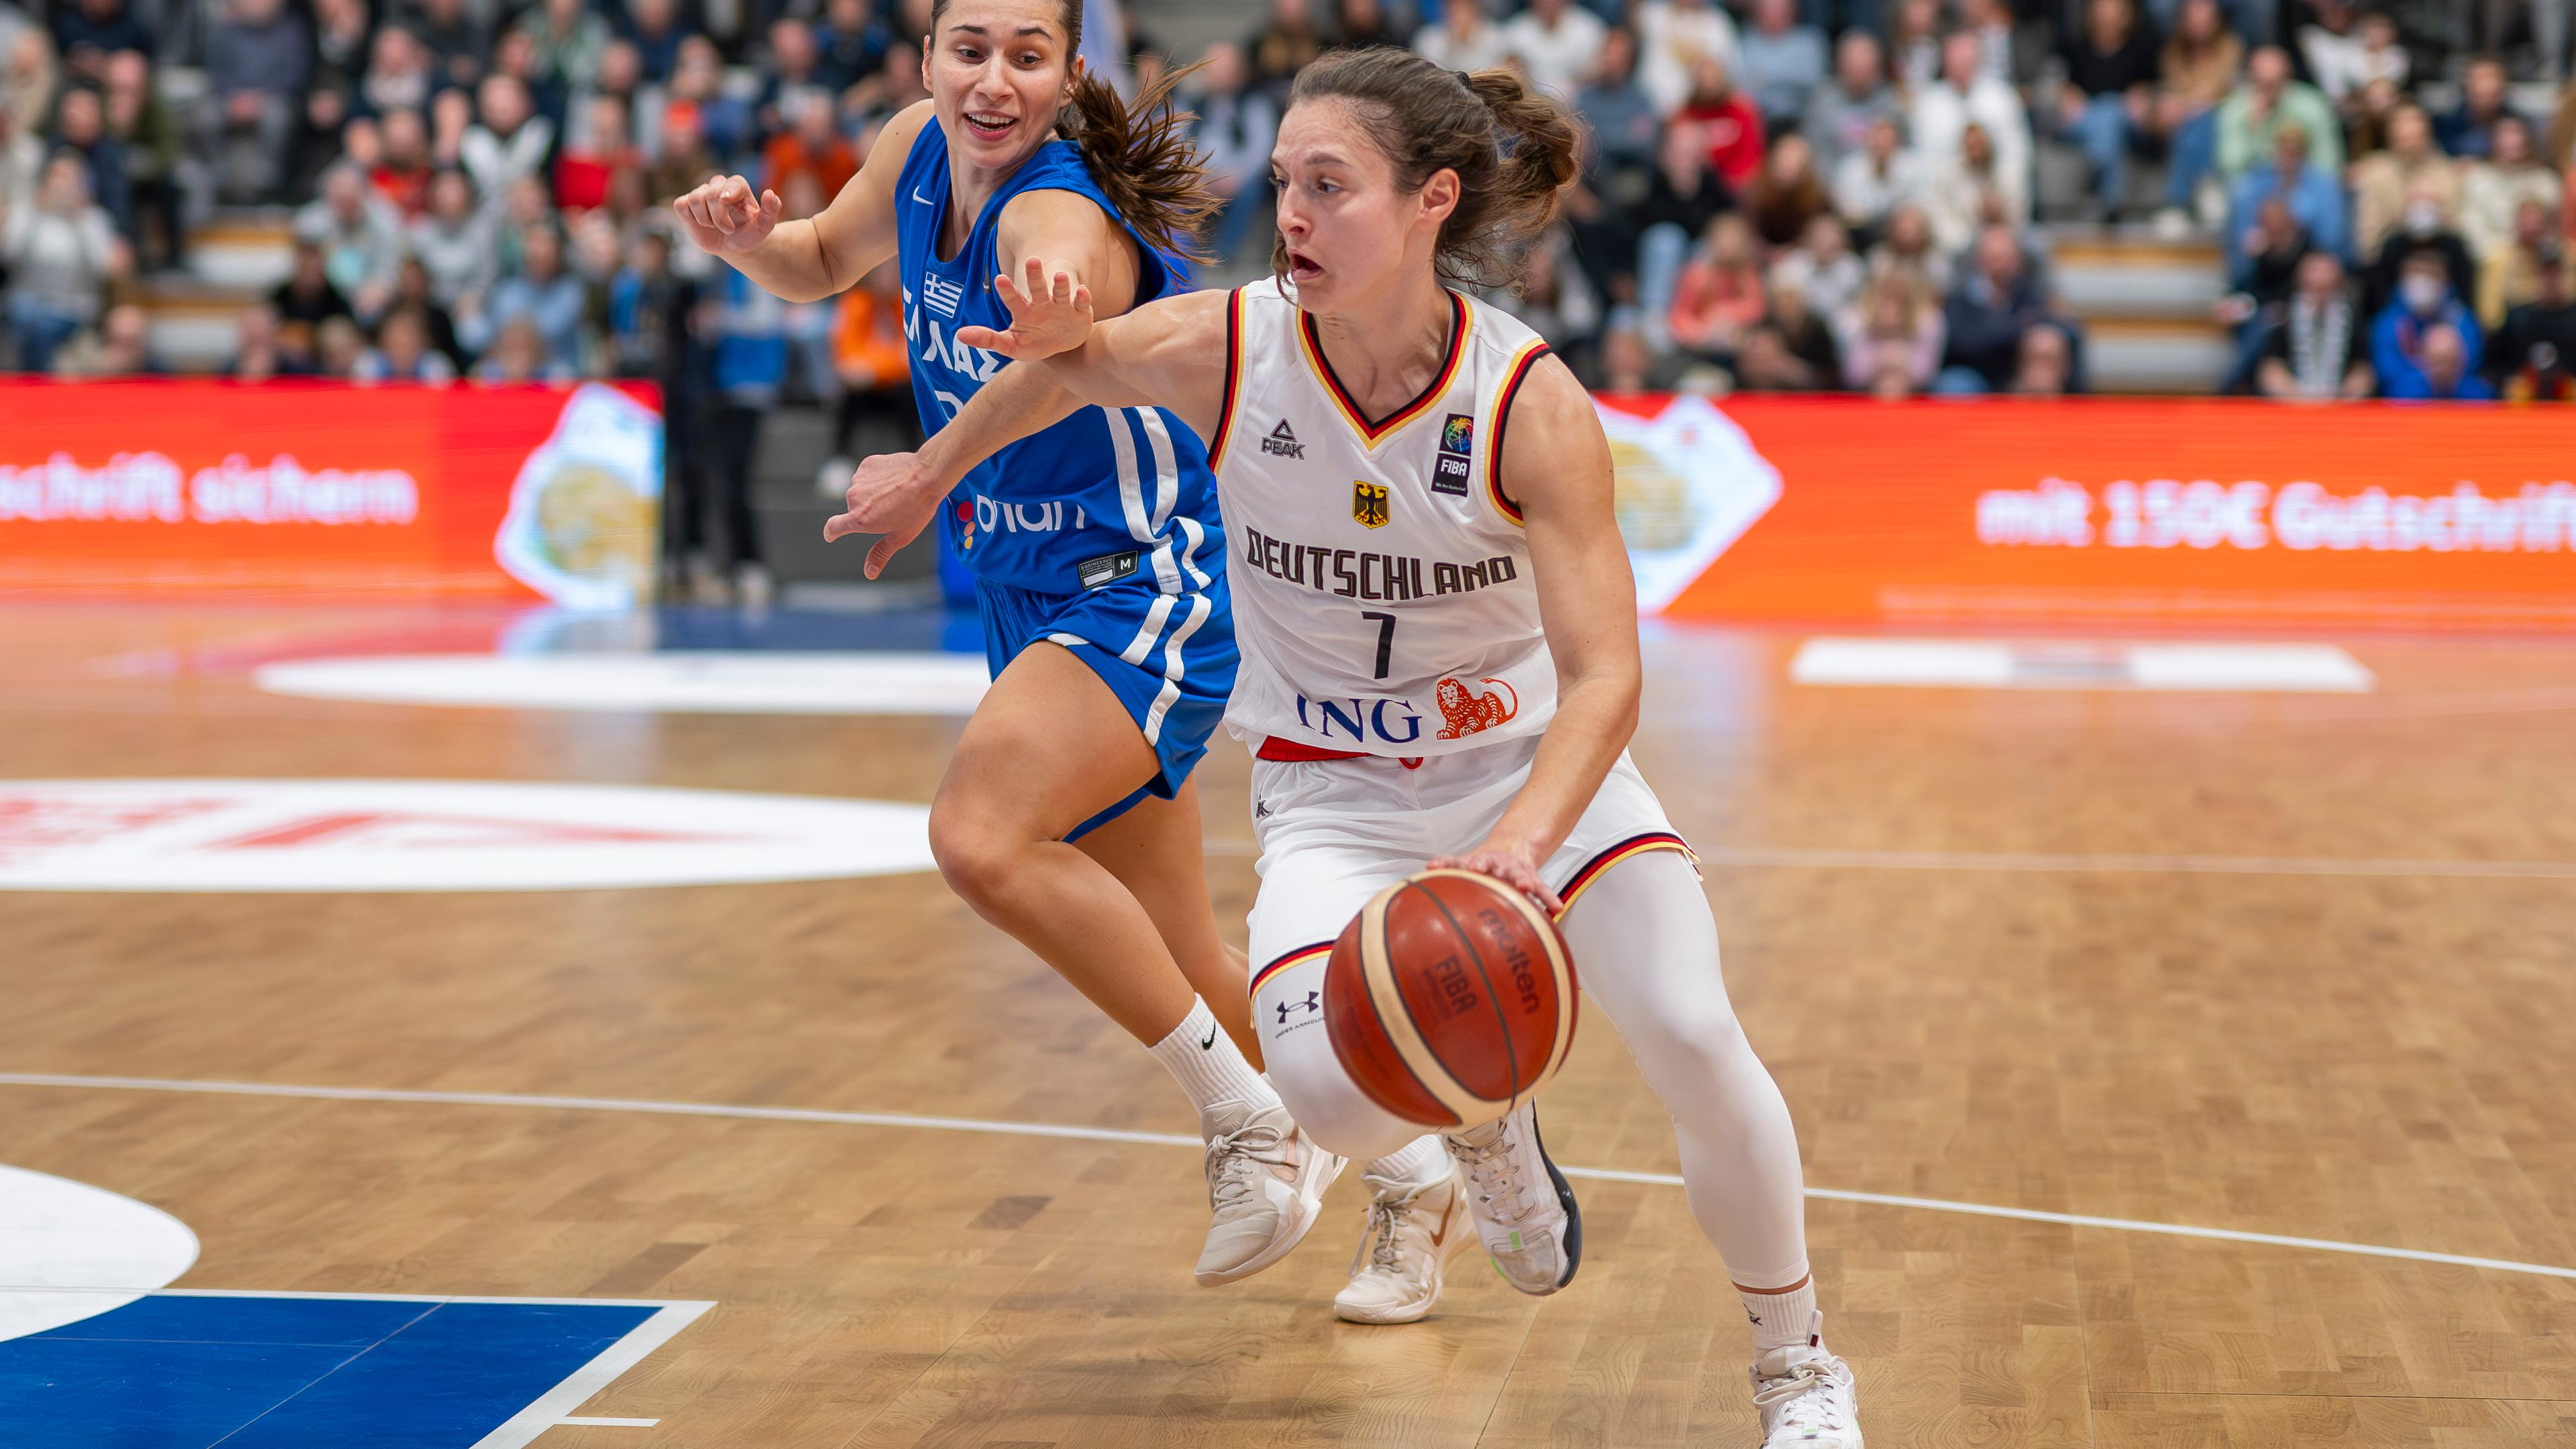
{"type": "Point", "coordinates": [2210, 960]}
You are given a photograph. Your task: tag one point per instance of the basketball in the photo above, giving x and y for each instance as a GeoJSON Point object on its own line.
{"type": "Point", "coordinates": [1450, 999]}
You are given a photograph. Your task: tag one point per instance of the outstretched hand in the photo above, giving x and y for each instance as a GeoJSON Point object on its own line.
{"type": "Point", "coordinates": [1514, 866]}
{"type": "Point", "coordinates": [726, 217]}
{"type": "Point", "coordinates": [1047, 316]}
{"type": "Point", "coordinates": [892, 494]}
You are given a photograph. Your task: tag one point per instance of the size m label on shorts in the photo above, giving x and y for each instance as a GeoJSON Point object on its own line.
{"type": "Point", "coordinates": [1109, 568]}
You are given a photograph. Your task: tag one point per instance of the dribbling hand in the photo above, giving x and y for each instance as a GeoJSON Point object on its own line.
{"type": "Point", "coordinates": [893, 494]}
{"type": "Point", "coordinates": [1047, 317]}
{"type": "Point", "coordinates": [1514, 866]}
{"type": "Point", "coordinates": [726, 216]}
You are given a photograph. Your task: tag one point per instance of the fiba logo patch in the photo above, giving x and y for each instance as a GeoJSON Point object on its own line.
{"type": "Point", "coordinates": [1455, 461]}
{"type": "Point", "coordinates": [1282, 443]}
{"type": "Point", "coordinates": [1370, 505]}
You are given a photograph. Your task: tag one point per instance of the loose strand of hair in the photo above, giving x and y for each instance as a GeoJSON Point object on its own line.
{"type": "Point", "coordinates": [1144, 159]}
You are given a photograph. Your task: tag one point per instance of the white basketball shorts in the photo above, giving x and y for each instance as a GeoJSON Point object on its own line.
{"type": "Point", "coordinates": [1335, 832]}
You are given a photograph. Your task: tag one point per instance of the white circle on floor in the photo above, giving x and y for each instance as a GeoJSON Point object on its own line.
{"type": "Point", "coordinates": [70, 1251]}
{"type": "Point", "coordinates": [690, 681]}
{"type": "Point", "coordinates": [435, 835]}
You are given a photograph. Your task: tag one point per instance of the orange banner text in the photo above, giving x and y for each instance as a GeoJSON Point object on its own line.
{"type": "Point", "coordinates": [199, 485]}
{"type": "Point", "coordinates": [2099, 513]}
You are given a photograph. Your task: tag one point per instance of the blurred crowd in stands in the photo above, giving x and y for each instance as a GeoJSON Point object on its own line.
{"type": "Point", "coordinates": [1792, 195]}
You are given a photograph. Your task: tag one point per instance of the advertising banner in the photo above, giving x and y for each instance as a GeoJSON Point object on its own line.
{"type": "Point", "coordinates": [200, 485]}
{"type": "Point", "coordinates": [2099, 513]}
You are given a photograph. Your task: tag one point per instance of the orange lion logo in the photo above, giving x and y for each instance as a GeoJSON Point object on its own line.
{"type": "Point", "coordinates": [1465, 711]}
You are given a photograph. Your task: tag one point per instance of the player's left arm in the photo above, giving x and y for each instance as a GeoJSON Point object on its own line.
{"type": "Point", "coordinates": [1558, 467]}
{"type": "Point", "coordinates": [1063, 262]}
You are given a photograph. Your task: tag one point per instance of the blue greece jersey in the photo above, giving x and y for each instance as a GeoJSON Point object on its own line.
{"type": "Point", "coordinates": [1100, 533]}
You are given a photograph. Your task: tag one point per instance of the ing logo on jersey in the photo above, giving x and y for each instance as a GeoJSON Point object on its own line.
{"type": "Point", "coordinates": [1370, 504]}
{"type": "Point", "coordinates": [1464, 712]}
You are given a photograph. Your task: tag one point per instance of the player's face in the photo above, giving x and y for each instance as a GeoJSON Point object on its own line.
{"type": "Point", "coordinates": [1346, 227]}
{"type": "Point", "coordinates": [998, 71]}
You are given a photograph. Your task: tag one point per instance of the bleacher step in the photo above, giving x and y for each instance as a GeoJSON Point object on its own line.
{"type": "Point", "coordinates": [2136, 355]}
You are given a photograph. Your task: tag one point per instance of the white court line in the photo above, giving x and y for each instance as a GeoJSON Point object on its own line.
{"type": "Point", "coordinates": [2076, 863]}
{"type": "Point", "coordinates": [550, 1409]}
{"type": "Point", "coordinates": [2118, 864]}
{"type": "Point", "coordinates": [1170, 1139]}
{"type": "Point", "coordinates": [610, 1423]}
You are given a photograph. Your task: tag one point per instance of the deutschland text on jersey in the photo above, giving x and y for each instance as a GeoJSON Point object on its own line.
{"type": "Point", "coordinates": [1387, 605]}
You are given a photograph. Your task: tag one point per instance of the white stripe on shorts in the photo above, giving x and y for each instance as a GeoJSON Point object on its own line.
{"type": "Point", "coordinates": [1150, 630]}
{"type": "Point", "coordinates": [1200, 607]}
{"type": "Point", "coordinates": [1167, 472]}
{"type": "Point", "coordinates": [1131, 498]}
{"type": "Point", "coordinates": [1195, 538]}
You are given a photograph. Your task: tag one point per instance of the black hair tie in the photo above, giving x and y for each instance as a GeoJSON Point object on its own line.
{"type": "Point", "coordinates": [1464, 79]}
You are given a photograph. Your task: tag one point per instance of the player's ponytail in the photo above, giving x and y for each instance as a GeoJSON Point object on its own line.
{"type": "Point", "coordinates": [1143, 158]}
{"type": "Point", "coordinates": [1514, 148]}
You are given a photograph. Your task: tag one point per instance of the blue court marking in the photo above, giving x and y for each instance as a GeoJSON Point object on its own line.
{"type": "Point", "coordinates": [184, 1369]}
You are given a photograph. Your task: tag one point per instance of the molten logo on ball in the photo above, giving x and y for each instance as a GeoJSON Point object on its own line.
{"type": "Point", "coordinates": [1450, 999]}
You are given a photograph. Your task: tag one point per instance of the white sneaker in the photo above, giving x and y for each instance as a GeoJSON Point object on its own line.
{"type": "Point", "coordinates": [1412, 1231]}
{"type": "Point", "coordinates": [1524, 1211]}
{"type": "Point", "coordinates": [1806, 1398]}
{"type": "Point", "coordinates": [1266, 1182]}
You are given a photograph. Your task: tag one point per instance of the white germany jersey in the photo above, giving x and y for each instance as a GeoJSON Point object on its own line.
{"type": "Point", "coordinates": [1382, 593]}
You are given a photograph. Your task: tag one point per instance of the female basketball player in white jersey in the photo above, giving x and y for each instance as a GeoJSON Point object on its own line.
{"type": "Point", "coordinates": [1439, 663]}
{"type": "Point", "coordinates": [1066, 817]}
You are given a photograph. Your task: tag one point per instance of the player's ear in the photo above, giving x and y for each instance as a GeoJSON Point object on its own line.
{"type": "Point", "coordinates": [1439, 194]}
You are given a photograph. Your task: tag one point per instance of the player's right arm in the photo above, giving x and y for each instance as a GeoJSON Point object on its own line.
{"type": "Point", "coordinates": [806, 261]}
{"type": "Point", "coordinates": [1168, 354]}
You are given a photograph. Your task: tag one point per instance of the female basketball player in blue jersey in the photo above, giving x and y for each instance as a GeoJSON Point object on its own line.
{"type": "Point", "coordinates": [1440, 663]}
{"type": "Point", "coordinates": [1066, 817]}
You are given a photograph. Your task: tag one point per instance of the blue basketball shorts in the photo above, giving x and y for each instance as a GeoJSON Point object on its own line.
{"type": "Point", "coordinates": [1168, 657]}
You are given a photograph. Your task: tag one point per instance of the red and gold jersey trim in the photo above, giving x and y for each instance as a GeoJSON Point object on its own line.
{"type": "Point", "coordinates": [1302, 953]}
{"type": "Point", "coordinates": [1233, 379]}
{"type": "Point", "coordinates": [1526, 358]}
{"type": "Point", "coordinates": [1370, 433]}
{"type": "Point", "coordinates": [1628, 849]}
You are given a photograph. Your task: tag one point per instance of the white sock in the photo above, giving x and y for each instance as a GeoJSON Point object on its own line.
{"type": "Point", "coordinates": [1208, 1065]}
{"type": "Point", "coordinates": [1782, 1320]}
{"type": "Point", "coordinates": [1423, 1162]}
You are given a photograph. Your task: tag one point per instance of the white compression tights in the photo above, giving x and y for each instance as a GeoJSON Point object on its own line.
{"type": "Point", "coordinates": [1646, 947]}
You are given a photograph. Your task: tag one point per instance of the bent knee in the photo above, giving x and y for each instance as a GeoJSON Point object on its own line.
{"type": "Point", "coordinates": [1692, 1050]}
{"type": "Point", "coordinates": [1329, 1107]}
{"type": "Point", "coordinates": [978, 854]}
